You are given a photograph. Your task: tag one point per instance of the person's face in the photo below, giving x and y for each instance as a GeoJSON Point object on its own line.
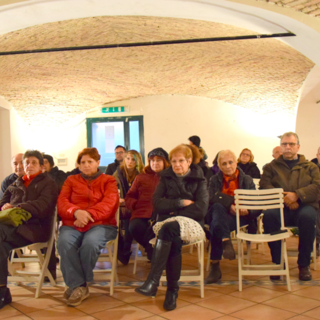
{"type": "Point", "coordinates": [31, 166]}
{"type": "Point", "coordinates": [120, 154]}
{"type": "Point", "coordinates": [46, 165]}
{"type": "Point", "coordinates": [180, 165]}
{"type": "Point", "coordinates": [245, 156]}
{"type": "Point", "coordinates": [17, 165]}
{"type": "Point", "coordinates": [130, 162]}
{"type": "Point", "coordinates": [88, 165]}
{"type": "Point", "coordinates": [276, 152]}
{"type": "Point", "coordinates": [228, 165]}
{"type": "Point", "coordinates": [156, 164]}
{"type": "Point", "coordinates": [318, 155]}
{"type": "Point", "coordinates": [289, 147]}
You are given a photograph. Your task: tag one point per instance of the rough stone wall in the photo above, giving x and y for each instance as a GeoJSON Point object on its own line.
{"type": "Point", "coordinates": [51, 88]}
{"type": "Point", "coordinates": [310, 7]}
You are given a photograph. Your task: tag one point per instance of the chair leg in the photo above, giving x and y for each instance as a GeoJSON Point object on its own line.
{"type": "Point", "coordinates": [240, 263]}
{"type": "Point", "coordinates": [314, 253]}
{"type": "Point", "coordinates": [285, 256]}
{"type": "Point", "coordinates": [136, 259]}
{"type": "Point", "coordinates": [201, 266]}
{"type": "Point", "coordinates": [208, 259]}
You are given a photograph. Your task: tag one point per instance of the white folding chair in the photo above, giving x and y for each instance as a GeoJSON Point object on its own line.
{"type": "Point", "coordinates": [110, 256]}
{"type": "Point", "coordinates": [191, 275]}
{"type": "Point", "coordinates": [261, 200]}
{"type": "Point", "coordinates": [34, 276]}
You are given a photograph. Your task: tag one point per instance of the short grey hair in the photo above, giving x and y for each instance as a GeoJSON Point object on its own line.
{"type": "Point", "coordinates": [223, 153]}
{"type": "Point", "coordinates": [290, 133]}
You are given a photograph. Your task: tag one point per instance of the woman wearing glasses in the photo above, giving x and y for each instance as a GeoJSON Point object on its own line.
{"type": "Point", "coordinates": [181, 201]}
{"type": "Point", "coordinates": [246, 164]}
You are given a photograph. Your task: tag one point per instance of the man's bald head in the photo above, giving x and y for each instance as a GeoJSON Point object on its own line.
{"type": "Point", "coordinates": [276, 152]}
{"type": "Point", "coordinates": [17, 165]}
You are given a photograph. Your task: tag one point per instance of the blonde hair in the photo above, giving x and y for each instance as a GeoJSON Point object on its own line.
{"type": "Point", "coordinates": [223, 153]}
{"type": "Point", "coordinates": [189, 152]}
{"type": "Point", "coordinates": [139, 165]}
{"type": "Point", "coordinates": [251, 155]}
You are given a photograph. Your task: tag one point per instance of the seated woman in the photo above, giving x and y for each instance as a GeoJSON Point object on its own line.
{"type": "Point", "coordinates": [246, 164]}
{"type": "Point", "coordinates": [222, 215]}
{"type": "Point", "coordinates": [36, 193]}
{"type": "Point", "coordinates": [125, 174]}
{"type": "Point", "coordinates": [139, 197]}
{"type": "Point", "coordinates": [87, 205]}
{"type": "Point", "coordinates": [181, 201]}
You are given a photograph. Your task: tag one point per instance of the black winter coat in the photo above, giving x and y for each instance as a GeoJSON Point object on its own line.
{"type": "Point", "coordinates": [245, 182]}
{"type": "Point", "coordinates": [58, 176]}
{"type": "Point", "coordinates": [39, 199]}
{"type": "Point", "coordinates": [251, 169]}
{"type": "Point", "coordinates": [112, 167]}
{"type": "Point", "coordinates": [169, 192]}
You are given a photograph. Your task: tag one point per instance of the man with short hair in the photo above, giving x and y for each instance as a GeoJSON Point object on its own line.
{"type": "Point", "coordinates": [300, 180]}
{"type": "Point", "coordinates": [36, 193]}
{"type": "Point", "coordinates": [120, 152]}
{"type": "Point", "coordinates": [57, 175]}
{"type": "Point", "coordinates": [276, 152]}
{"type": "Point", "coordinates": [18, 171]}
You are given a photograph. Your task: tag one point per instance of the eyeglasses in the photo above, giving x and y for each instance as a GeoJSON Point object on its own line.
{"type": "Point", "coordinates": [246, 154]}
{"type": "Point", "coordinates": [291, 144]}
{"type": "Point", "coordinates": [120, 152]}
{"type": "Point", "coordinates": [178, 161]}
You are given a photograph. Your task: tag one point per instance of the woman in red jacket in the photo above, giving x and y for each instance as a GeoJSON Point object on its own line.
{"type": "Point", "coordinates": [87, 205]}
{"type": "Point", "coordinates": [139, 197]}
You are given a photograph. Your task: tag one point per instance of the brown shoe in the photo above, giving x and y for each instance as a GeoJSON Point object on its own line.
{"type": "Point", "coordinates": [305, 274]}
{"type": "Point", "coordinates": [228, 250]}
{"type": "Point", "coordinates": [78, 295]}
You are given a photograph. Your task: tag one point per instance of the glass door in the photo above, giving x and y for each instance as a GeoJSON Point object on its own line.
{"type": "Point", "coordinates": [106, 133]}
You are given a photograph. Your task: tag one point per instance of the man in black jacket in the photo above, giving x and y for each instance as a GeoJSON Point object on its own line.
{"type": "Point", "coordinates": [57, 175]}
{"type": "Point", "coordinates": [36, 193]}
{"type": "Point", "coordinates": [120, 152]}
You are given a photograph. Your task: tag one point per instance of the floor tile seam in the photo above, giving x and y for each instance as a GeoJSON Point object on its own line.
{"type": "Point", "coordinates": [290, 310]}
{"type": "Point", "coordinates": [305, 297]}
{"type": "Point", "coordinates": [310, 310]}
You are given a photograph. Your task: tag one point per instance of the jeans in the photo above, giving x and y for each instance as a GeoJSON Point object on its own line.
{"type": "Point", "coordinates": [305, 219]}
{"type": "Point", "coordinates": [222, 223]}
{"type": "Point", "coordinates": [79, 252]}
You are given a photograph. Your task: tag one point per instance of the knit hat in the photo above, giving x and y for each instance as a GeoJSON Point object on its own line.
{"type": "Point", "coordinates": [49, 158]}
{"type": "Point", "coordinates": [195, 140]}
{"type": "Point", "coordinates": [159, 152]}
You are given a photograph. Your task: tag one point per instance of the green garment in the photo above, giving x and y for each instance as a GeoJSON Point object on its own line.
{"type": "Point", "coordinates": [14, 216]}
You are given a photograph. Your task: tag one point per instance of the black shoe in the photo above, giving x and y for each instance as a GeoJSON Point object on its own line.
{"type": "Point", "coordinates": [5, 297]}
{"type": "Point", "coordinates": [228, 250]}
{"type": "Point", "coordinates": [124, 257]}
{"type": "Point", "coordinates": [214, 274]}
{"type": "Point", "coordinates": [170, 302]}
{"type": "Point", "coordinates": [159, 260]}
{"type": "Point", "coordinates": [54, 276]}
{"type": "Point", "coordinates": [275, 278]}
{"type": "Point", "coordinates": [305, 274]}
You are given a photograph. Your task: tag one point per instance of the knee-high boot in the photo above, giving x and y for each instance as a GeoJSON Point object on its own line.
{"type": "Point", "coordinates": [173, 275]}
{"type": "Point", "coordinates": [159, 260]}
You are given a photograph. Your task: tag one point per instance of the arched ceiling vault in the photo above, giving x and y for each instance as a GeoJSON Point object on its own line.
{"type": "Point", "coordinates": [51, 88]}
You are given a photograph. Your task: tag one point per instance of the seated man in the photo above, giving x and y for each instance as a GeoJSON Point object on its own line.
{"type": "Point", "coordinates": [36, 193]}
{"type": "Point", "coordinates": [18, 171]}
{"type": "Point", "coordinates": [300, 180]}
{"type": "Point", "coordinates": [120, 153]}
{"type": "Point", "coordinates": [222, 214]}
{"type": "Point", "coordinates": [57, 175]}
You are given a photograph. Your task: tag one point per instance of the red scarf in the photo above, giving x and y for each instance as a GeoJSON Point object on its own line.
{"type": "Point", "coordinates": [27, 181]}
{"type": "Point", "coordinates": [230, 183]}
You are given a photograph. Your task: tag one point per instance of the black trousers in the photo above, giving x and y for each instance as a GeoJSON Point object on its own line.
{"type": "Point", "coordinates": [138, 228]}
{"type": "Point", "coordinates": [9, 239]}
{"type": "Point", "coordinates": [170, 231]}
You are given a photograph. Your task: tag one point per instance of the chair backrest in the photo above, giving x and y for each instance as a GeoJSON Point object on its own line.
{"type": "Point", "coordinates": [259, 200]}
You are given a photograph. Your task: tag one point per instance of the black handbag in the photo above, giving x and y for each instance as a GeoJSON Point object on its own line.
{"type": "Point", "coordinates": [223, 199]}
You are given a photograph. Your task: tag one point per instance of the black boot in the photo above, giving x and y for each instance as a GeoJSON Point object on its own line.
{"type": "Point", "coordinates": [173, 275]}
{"type": "Point", "coordinates": [5, 297]}
{"type": "Point", "coordinates": [214, 274]}
{"type": "Point", "coordinates": [159, 260]}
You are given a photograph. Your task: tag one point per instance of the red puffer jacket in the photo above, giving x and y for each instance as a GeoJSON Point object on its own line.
{"type": "Point", "coordinates": [99, 197]}
{"type": "Point", "coordinates": [139, 197]}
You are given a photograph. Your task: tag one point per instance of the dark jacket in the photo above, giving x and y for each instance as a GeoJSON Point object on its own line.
{"type": "Point", "coordinates": [303, 179]}
{"type": "Point", "coordinates": [245, 182]}
{"type": "Point", "coordinates": [139, 197]}
{"type": "Point", "coordinates": [112, 167]}
{"type": "Point", "coordinates": [58, 176]}
{"type": "Point", "coordinates": [6, 183]}
{"type": "Point", "coordinates": [202, 164]}
{"type": "Point", "coordinates": [250, 169]}
{"type": "Point", "coordinates": [73, 172]}
{"type": "Point", "coordinates": [169, 192]}
{"type": "Point", "coordinates": [315, 161]}
{"type": "Point", "coordinates": [40, 200]}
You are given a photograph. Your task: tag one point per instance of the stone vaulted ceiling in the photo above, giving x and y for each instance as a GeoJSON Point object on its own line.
{"type": "Point", "coordinates": [52, 88]}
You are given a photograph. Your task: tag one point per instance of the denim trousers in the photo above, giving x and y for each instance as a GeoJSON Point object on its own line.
{"type": "Point", "coordinates": [222, 223]}
{"type": "Point", "coordinates": [79, 252]}
{"type": "Point", "coordinates": [305, 219]}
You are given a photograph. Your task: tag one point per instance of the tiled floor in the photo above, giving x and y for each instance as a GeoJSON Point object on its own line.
{"type": "Point", "coordinates": [260, 299]}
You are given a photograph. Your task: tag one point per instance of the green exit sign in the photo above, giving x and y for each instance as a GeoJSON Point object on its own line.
{"type": "Point", "coordinates": [112, 109]}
